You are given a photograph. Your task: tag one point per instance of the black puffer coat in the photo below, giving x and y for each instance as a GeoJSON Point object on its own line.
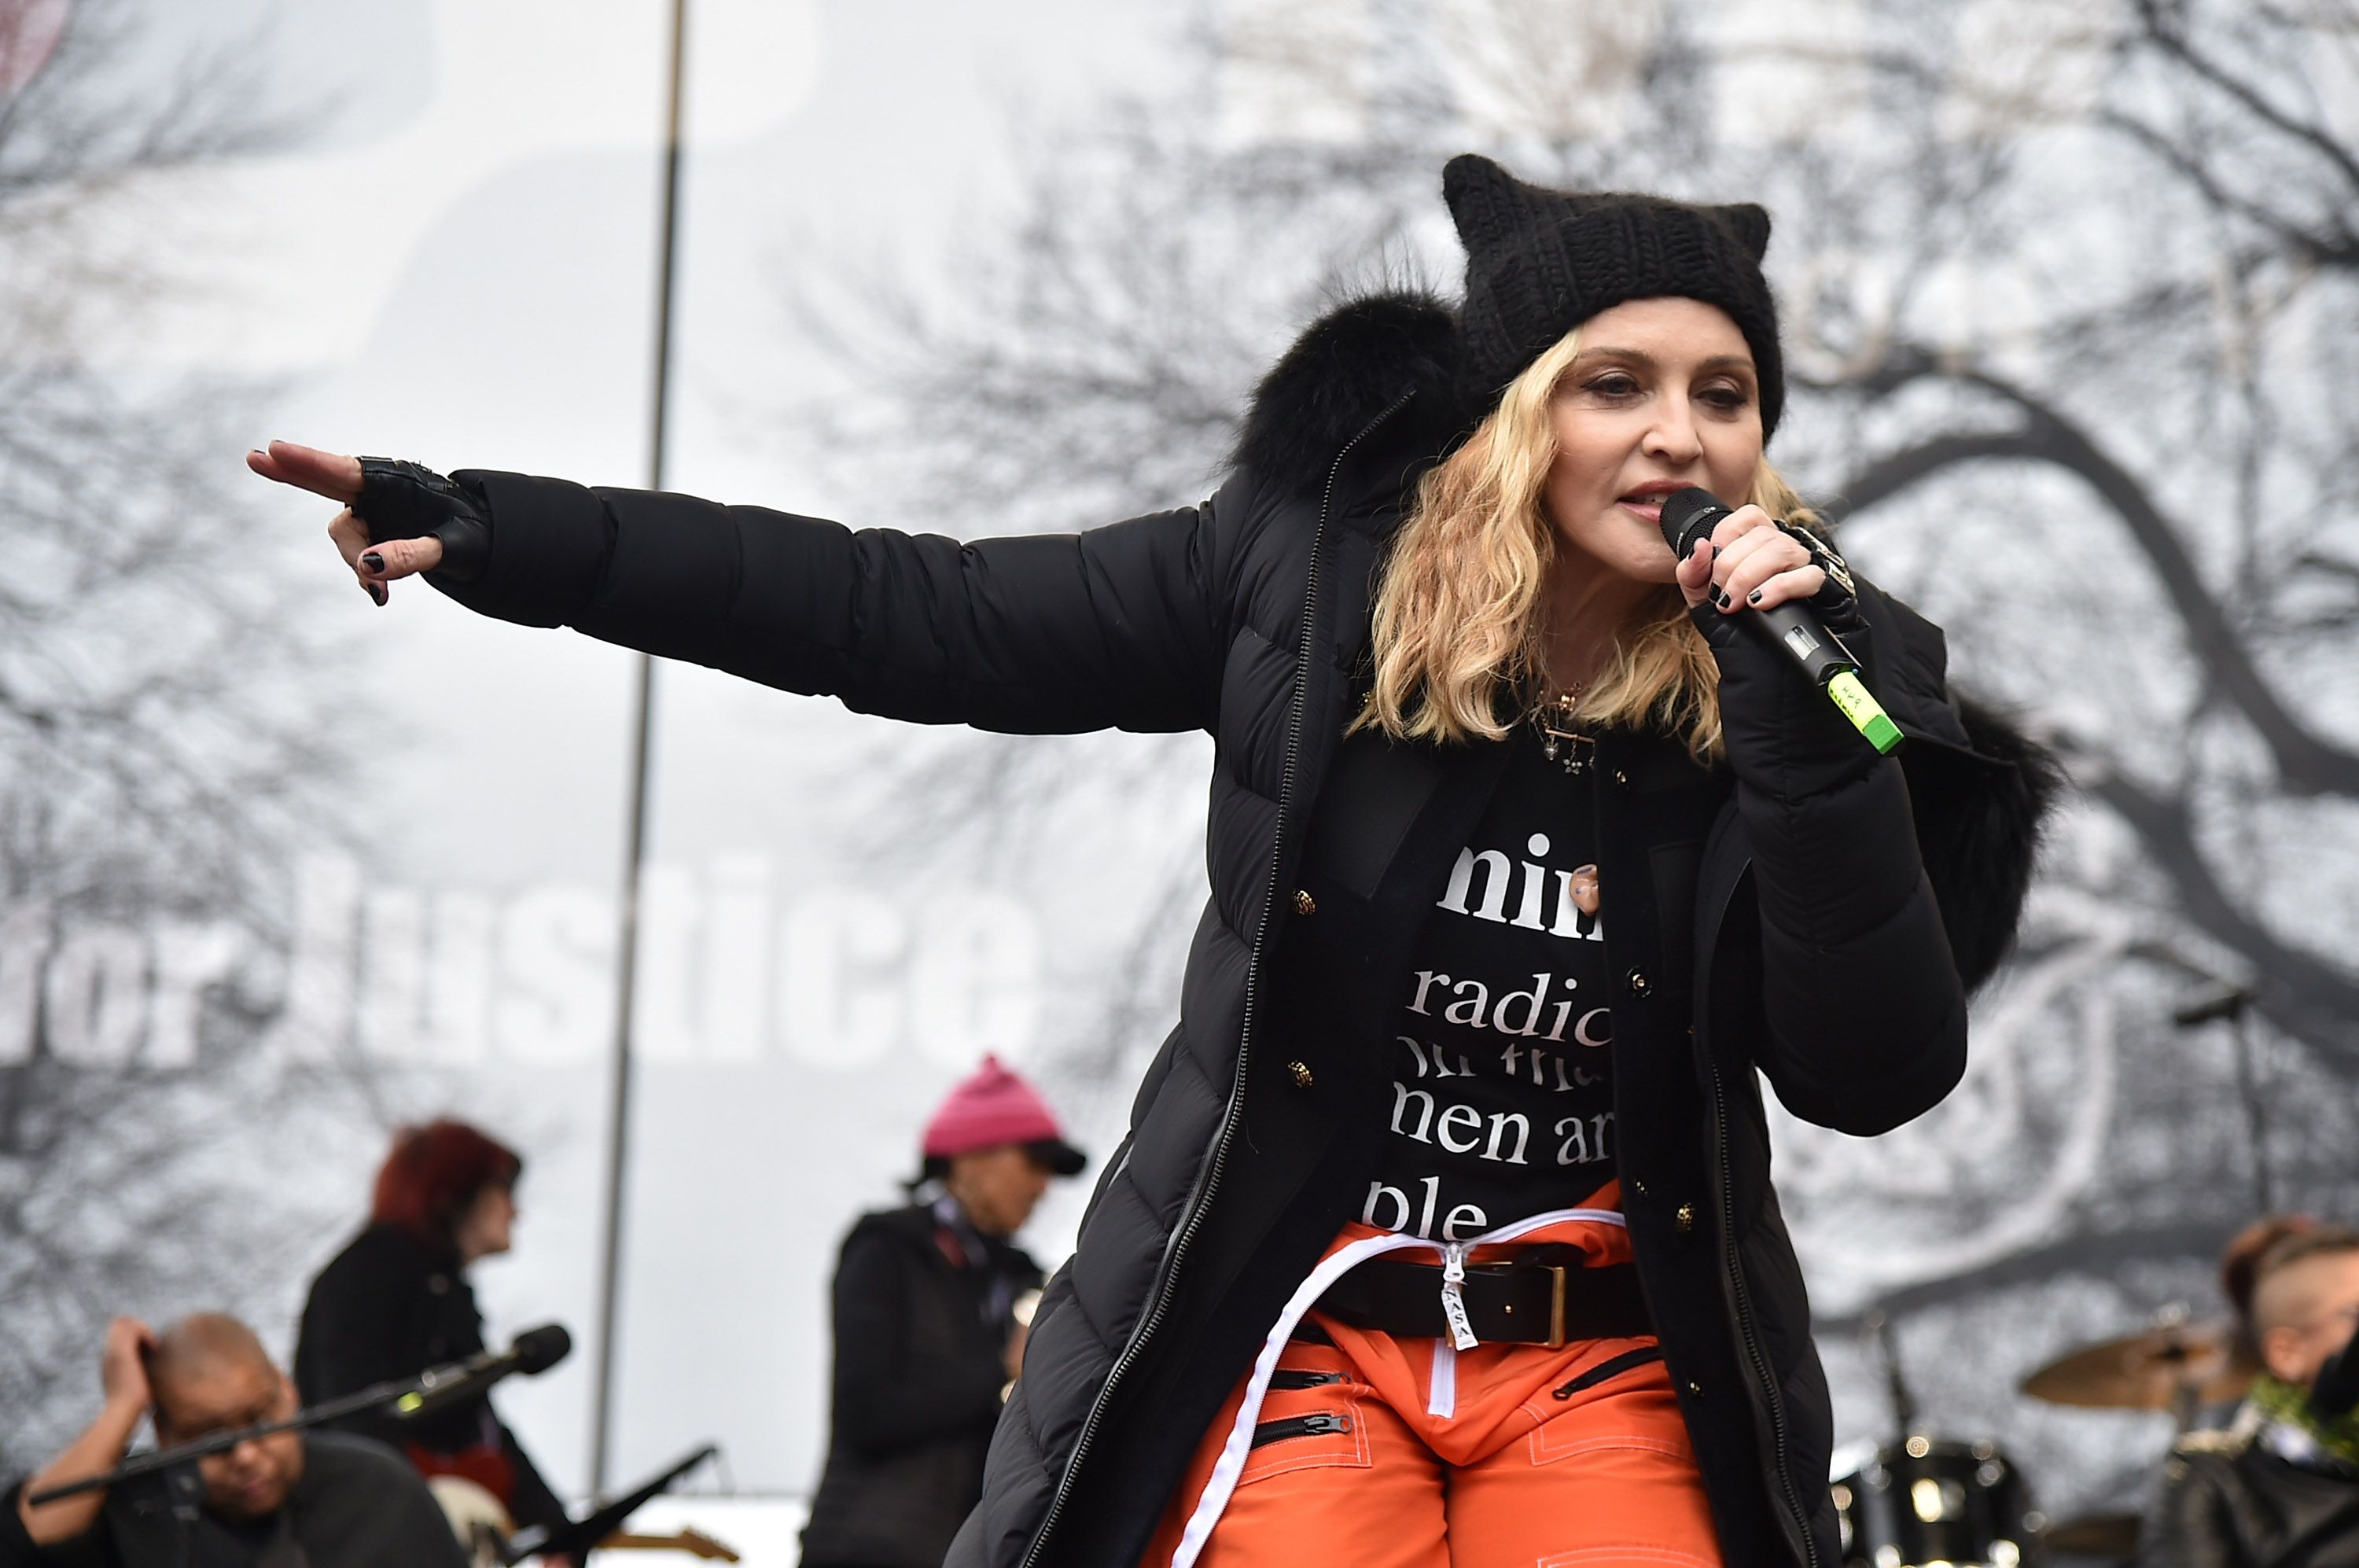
{"type": "Point", "coordinates": [919, 1366]}
{"type": "Point", "coordinates": [1798, 934]}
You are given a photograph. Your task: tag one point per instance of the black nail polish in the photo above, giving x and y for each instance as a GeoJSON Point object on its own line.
{"type": "Point", "coordinates": [1753, 597]}
{"type": "Point", "coordinates": [1719, 599]}
{"type": "Point", "coordinates": [374, 561]}
{"type": "Point", "coordinates": [375, 591]}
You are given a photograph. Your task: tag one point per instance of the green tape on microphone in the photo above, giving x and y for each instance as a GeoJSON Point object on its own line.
{"type": "Point", "coordinates": [1867, 714]}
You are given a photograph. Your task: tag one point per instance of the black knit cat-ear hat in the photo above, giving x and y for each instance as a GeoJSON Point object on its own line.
{"type": "Point", "coordinates": [1541, 262]}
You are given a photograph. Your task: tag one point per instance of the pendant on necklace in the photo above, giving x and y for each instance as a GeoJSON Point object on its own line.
{"type": "Point", "coordinates": [1560, 742]}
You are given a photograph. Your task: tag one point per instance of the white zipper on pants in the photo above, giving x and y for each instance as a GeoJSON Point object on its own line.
{"type": "Point", "coordinates": [1441, 1384]}
{"type": "Point", "coordinates": [1214, 1499]}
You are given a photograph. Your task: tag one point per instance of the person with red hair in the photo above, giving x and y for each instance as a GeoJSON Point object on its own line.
{"type": "Point", "coordinates": [396, 1301]}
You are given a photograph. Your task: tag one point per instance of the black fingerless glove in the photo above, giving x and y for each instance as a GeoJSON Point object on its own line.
{"type": "Point", "coordinates": [1835, 605]}
{"type": "Point", "coordinates": [1784, 735]}
{"type": "Point", "coordinates": [406, 500]}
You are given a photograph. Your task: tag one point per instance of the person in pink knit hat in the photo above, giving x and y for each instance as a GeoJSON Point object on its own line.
{"type": "Point", "coordinates": [929, 1303]}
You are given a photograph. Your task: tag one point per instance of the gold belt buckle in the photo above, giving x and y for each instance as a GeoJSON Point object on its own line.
{"type": "Point", "coordinates": [1556, 1273]}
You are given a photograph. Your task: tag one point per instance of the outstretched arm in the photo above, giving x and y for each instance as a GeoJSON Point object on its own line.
{"type": "Point", "coordinates": [123, 1373]}
{"type": "Point", "coordinates": [1113, 627]}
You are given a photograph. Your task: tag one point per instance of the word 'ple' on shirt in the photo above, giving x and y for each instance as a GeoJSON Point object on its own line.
{"type": "Point", "coordinates": [1502, 1104]}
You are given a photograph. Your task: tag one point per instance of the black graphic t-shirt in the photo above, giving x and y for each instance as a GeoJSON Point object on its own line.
{"type": "Point", "coordinates": [1501, 1105]}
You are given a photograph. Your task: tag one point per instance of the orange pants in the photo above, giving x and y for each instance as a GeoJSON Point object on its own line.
{"type": "Point", "coordinates": [1550, 1457]}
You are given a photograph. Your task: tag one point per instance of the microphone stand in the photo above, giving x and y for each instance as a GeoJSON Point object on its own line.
{"type": "Point", "coordinates": [408, 1396]}
{"type": "Point", "coordinates": [576, 1537]}
{"type": "Point", "coordinates": [2234, 1003]}
{"type": "Point", "coordinates": [1904, 1404]}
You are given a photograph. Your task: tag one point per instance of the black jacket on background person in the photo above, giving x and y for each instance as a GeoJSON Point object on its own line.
{"type": "Point", "coordinates": [359, 1504]}
{"type": "Point", "coordinates": [919, 1364]}
{"type": "Point", "coordinates": [390, 1306]}
{"type": "Point", "coordinates": [2229, 1502]}
{"type": "Point", "coordinates": [1808, 913]}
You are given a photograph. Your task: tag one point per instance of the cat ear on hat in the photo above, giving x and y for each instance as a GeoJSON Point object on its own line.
{"type": "Point", "coordinates": [1751, 223]}
{"type": "Point", "coordinates": [1485, 202]}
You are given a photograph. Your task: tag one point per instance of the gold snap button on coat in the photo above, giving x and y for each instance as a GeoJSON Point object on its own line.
{"type": "Point", "coordinates": [1638, 982]}
{"type": "Point", "coordinates": [1300, 1073]}
{"type": "Point", "coordinates": [1304, 904]}
{"type": "Point", "coordinates": [1683, 1218]}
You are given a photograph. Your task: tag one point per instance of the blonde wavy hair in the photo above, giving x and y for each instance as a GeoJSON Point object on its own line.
{"type": "Point", "coordinates": [1460, 614]}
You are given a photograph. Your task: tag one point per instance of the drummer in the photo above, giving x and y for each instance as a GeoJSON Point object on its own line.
{"type": "Point", "coordinates": [2279, 1486]}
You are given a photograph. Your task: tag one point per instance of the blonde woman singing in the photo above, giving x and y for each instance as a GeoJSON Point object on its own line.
{"type": "Point", "coordinates": [1443, 1233]}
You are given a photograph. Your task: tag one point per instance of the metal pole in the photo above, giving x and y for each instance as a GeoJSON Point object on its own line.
{"type": "Point", "coordinates": [2256, 1122]}
{"type": "Point", "coordinates": [2234, 1003]}
{"type": "Point", "coordinates": [626, 951]}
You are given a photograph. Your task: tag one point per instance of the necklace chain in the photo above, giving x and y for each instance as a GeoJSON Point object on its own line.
{"type": "Point", "coordinates": [1561, 741]}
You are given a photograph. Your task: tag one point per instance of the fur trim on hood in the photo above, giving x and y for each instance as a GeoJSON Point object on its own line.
{"type": "Point", "coordinates": [1979, 830]}
{"type": "Point", "coordinates": [1347, 367]}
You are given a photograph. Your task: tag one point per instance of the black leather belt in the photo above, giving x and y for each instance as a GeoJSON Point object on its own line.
{"type": "Point", "coordinates": [1530, 1300]}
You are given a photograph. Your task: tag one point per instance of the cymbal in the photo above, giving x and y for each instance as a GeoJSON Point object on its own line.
{"type": "Point", "coordinates": [2094, 1535]}
{"type": "Point", "coordinates": [2146, 1371]}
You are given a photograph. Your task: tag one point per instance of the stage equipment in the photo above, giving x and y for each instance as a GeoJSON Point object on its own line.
{"type": "Point", "coordinates": [1904, 1403]}
{"type": "Point", "coordinates": [1793, 629]}
{"type": "Point", "coordinates": [483, 1528]}
{"type": "Point", "coordinates": [1925, 1500]}
{"type": "Point", "coordinates": [598, 1528]}
{"type": "Point", "coordinates": [2095, 1535]}
{"type": "Point", "coordinates": [2234, 1004]}
{"type": "Point", "coordinates": [2177, 1366]}
{"type": "Point", "coordinates": [534, 1351]}
{"type": "Point", "coordinates": [531, 1353]}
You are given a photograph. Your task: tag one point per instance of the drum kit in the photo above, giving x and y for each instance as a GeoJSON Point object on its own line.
{"type": "Point", "coordinates": [1933, 1502]}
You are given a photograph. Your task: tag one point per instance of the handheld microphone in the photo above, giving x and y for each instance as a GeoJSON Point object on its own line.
{"type": "Point", "coordinates": [533, 1352]}
{"type": "Point", "coordinates": [1690, 514]}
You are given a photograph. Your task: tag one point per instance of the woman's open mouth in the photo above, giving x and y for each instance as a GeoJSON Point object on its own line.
{"type": "Point", "coordinates": [1646, 500]}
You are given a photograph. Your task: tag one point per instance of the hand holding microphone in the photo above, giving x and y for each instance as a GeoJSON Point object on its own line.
{"type": "Point", "coordinates": [1764, 578]}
